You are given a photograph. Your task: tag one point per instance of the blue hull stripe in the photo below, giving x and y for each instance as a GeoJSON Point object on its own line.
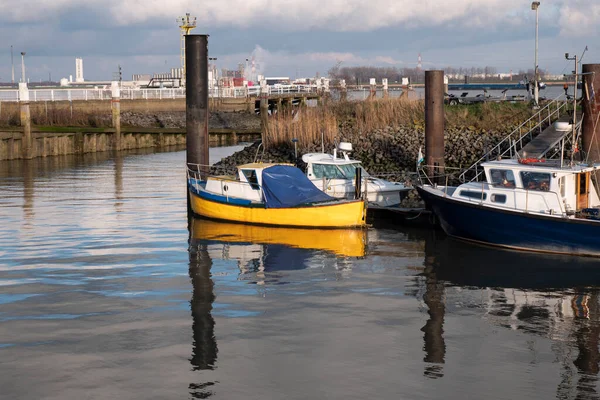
{"type": "Point", "coordinates": [514, 229]}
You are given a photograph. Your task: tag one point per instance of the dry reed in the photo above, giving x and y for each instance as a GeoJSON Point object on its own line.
{"type": "Point", "coordinates": [360, 117]}
{"type": "Point", "coordinates": [311, 125]}
{"type": "Point", "coordinates": [308, 125]}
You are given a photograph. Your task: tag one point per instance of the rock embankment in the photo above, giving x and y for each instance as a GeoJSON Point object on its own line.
{"type": "Point", "coordinates": [174, 119]}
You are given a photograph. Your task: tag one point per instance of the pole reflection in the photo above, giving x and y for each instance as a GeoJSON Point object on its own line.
{"type": "Point", "coordinates": [587, 335]}
{"type": "Point", "coordinates": [28, 193]}
{"type": "Point", "coordinates": [204, 346]}
{"type": "Point", "coordinates": [434, 344]}
{"type": "Point", "coordinates": [118, 183]}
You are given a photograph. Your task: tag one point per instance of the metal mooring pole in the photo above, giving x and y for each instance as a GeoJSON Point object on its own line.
{"type": "Point", "coordinates": [434, 122]}
{"type": "Point", "coordinates": [196, 99]}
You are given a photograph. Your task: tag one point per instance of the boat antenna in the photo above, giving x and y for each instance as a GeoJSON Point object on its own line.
{"type": "Point", "coordinates": [581, 58]}
{"type": "Point", "coordinates": [322, 141]}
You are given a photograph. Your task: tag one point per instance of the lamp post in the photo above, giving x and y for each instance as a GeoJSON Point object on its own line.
{"type": "Point", "coordinates": [214, 74]}
{"type": "Point", "coordinates": [534, 6]}
{"type": "Point", "coordinates": [12, 64]}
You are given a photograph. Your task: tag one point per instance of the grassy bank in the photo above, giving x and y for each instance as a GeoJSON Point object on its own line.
{"type": "Point", "coordinates": [93, 113]}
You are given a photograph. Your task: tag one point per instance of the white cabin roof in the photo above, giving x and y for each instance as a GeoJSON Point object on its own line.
{"type": "Point", "coordinates": [324, 158]}
{"type": "Point", "coordinates": [546, 166]}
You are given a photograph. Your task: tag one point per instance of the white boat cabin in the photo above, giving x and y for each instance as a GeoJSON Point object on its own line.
{"type": "Point", "coordinates": [540, 187]}
{"type": "Point", "coordinates": [336, 176]}
{"type": "Point", "coordinates": [246, 184]}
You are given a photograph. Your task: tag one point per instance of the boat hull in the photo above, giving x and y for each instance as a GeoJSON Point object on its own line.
{"type": "Point", "coordinates": [331, 215]}
{"type": "Point", "coordinates": [515, 230]}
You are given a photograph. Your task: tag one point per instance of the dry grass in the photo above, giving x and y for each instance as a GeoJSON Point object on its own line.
{"type": "Point", "coordinates": [379, 114]}
{"type": "Point", "coordinates": [307, 125]}
{"type": "Point", "coordinates": [487, 116]}
{"type": "Point", "coordinates": [94, 113]}
{"type": "Point", "coordinates": [360, 117]}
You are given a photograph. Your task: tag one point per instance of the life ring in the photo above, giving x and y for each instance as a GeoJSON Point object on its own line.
{"type": "Point", "coordinates": [531, 160]}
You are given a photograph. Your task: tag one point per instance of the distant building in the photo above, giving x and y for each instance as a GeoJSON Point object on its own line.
{"type": "Point", "coordinates": [79, 70]}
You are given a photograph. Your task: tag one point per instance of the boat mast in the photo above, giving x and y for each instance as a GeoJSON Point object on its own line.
{"type": "Point", "coordinates": [574, 112]}
{"type": "Point", "coordinates": [574, 144]}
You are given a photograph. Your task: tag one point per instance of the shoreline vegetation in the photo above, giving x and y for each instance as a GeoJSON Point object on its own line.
{"type": "Point", "coordinates": [386, 134]}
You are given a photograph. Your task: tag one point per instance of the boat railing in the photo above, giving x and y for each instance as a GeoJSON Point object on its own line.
{"type": "Point", "coordinates": [203, 170]}
{"type": "Point", "coordinates": [513, 142]}
{"type": "Point", "coordinates": [197, 173]}
{"type": "Point", "coordinates": [447, 179]}
{"type": "Point", "coordinates": [440, 176]}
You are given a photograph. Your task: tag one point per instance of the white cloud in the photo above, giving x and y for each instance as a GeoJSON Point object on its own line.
{"type": "Point", "coordinates": [338, 15]}
{"type": "Point", "coordinates": [579, 18]}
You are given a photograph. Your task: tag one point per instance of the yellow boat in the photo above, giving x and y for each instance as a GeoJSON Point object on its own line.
{"type": "Point", "coordinates": [271, 194]}
{"type": "Point", "coordinates": [342, 242]}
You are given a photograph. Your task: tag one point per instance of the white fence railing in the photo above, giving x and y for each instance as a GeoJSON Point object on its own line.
{"type": "Point", "coordinates": [146, 94]}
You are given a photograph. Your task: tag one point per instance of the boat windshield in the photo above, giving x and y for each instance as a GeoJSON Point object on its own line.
{"type": "Point", "coordinates": [344, 171]}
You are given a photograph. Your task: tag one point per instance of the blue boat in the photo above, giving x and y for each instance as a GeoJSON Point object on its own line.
{"type": "Point", "coordinates": [523, 204]}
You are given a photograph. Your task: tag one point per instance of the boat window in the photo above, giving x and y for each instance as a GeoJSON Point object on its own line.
{"type": "Point", "coordinates": [503, 177]}
{"type": "Point", "coordinates": [349, 170]}
{"type": "Point", "coordinates": [535, 180]}
{"type": "Point", "coordinates": [473, 195]}
{"type": "Point", "coordinates": [498, 198]}
{"type": "Point", "coordinates": [327, 171]}
{"type": "Point", "coordinates": [250, 175]}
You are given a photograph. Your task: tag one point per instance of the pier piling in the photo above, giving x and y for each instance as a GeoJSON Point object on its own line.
{"type": "Point", "coordinates": [386, 93]}
{"type": "Point", "coordinates": [25, 120]}
{"type": "Point", "coordinates": [115, 105]}
{"type": "Point", "coordinates": [591, 116]}
{"type": "Point", "coordinates": [264, 111]}
{"type": "Point", "coordinates": [373, 88]}
{"type": "Point", "coordinates": [196, 101]}
{"type": "Point", "coordinates": [434, 122]}
{"type": "Point", "coordinates": [343, 90]}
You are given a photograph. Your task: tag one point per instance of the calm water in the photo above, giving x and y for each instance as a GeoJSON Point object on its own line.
{"type": "Point", "coordinates": [104, 293]}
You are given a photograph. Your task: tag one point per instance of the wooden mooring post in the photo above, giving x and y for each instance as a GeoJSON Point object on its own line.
{"type": "Point", "coordinates": [591, 117]}
{"type": "Point", "coordinates": [373, 88]}
{"type": "Point", "coordinates": [25, 114]}
{"type": "Point", "coordinates": [264, 111]}
{"type": "Point", "coordinates": [386, 92]}
{"type": "Point", "coordinates": [343, 90]}
{"type": "Point", "coordinates": [115, 105]}
{"type": "Point", "coordinates": [434, 122]}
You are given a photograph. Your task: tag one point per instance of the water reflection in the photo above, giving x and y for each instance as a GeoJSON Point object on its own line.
{"type": "Point", "coordinates": [435, 347]}
{"type": "Point", "coordinates": [28, 193]}
{"type": "Point", "coordinates": [204, 347]}
{"type": "Point", "coordinates": [263, 251]}
{"type": "Point", "coordinates": [549, 296]}
{"type": "Point", "coordinates": [118, 183]}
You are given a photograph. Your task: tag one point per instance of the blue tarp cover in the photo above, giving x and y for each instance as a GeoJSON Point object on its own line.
{"type": "Point", "coordinates": [286, 186]}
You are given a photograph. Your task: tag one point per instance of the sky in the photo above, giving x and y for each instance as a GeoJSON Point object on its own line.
{"type": "Point", "coordinates": [294, 38]}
